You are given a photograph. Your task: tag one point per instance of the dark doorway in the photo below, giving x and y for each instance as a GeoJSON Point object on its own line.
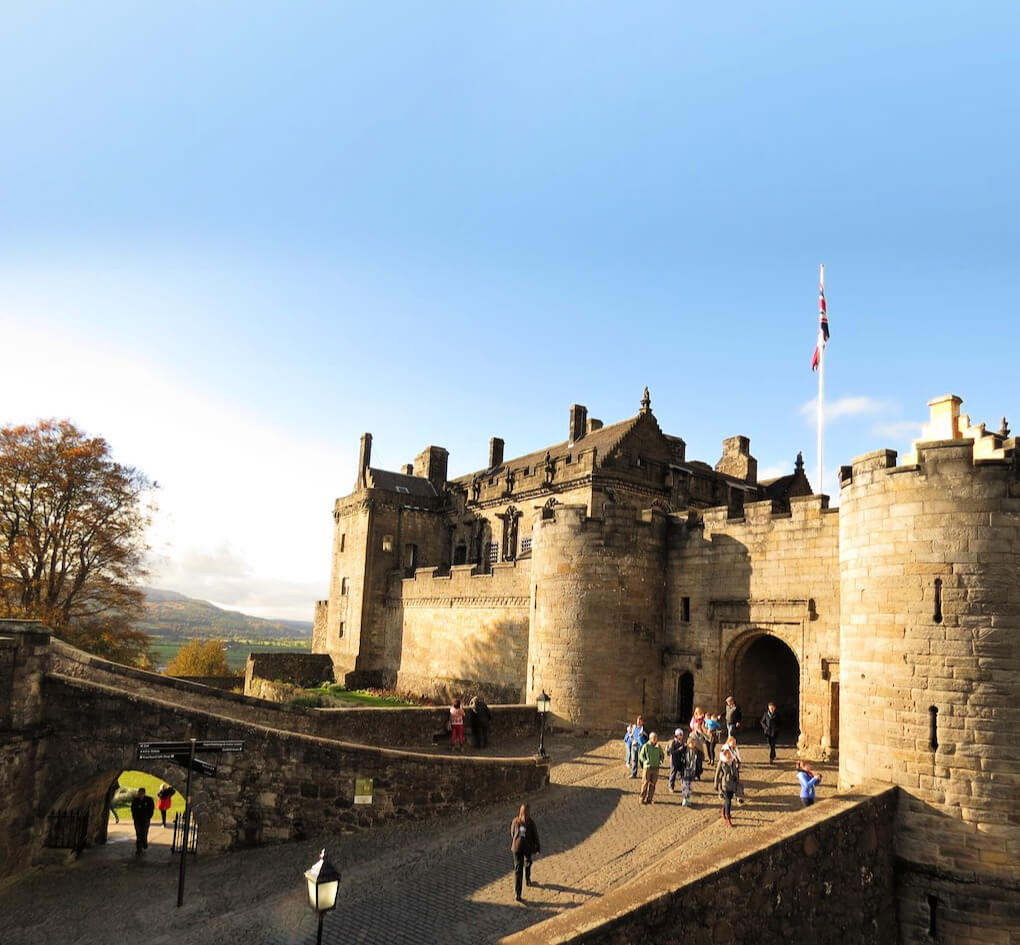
{"type": "Point", "coordinates": [685, 697]}
{"type": "Point", "coordinates": [767, 671]}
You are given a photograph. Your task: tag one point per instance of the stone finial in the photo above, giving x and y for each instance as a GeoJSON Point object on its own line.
{"type": "Point", "coordinates": [646, 402]}
{"type": "Point", "coordinates": [798, 466]}
{"type": "Point", "coordinates": [1004, 429]}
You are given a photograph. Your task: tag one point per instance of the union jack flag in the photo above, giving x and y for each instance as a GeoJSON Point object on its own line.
{"type": "Point", "coordinates": [823, 323]}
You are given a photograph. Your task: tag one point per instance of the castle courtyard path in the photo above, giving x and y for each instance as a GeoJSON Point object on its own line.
{"type": "Point", "coordinates": [445, 881]}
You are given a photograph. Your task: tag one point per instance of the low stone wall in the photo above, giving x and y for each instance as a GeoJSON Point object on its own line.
{"type": "Point", "coordinates": [300, 669]}
{"type": "Point", "coordinates": [828, 879]}
{"type": "Point", "coordinates": [226, 683]}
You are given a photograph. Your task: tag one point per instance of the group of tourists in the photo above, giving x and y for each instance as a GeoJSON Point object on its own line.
{"type": "Point", "coordinates": [693, 749]}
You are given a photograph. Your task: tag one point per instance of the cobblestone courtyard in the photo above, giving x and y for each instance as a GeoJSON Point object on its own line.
{"type": "Point", "coordinates": [446, 881]}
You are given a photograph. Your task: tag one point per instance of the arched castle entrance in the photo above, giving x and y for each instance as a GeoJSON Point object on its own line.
{"type": "Point", "coordinates": [760, 667]}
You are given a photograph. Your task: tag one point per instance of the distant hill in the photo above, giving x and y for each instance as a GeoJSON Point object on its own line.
{"type": "Point", "coordinates": [173, 616]}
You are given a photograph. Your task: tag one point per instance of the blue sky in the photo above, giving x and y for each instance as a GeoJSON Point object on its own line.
{"type": "Point", "coordinates": [235, 236]}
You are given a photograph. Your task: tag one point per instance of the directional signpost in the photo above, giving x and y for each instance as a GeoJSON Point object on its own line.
{"type": "Point", "coordinates": [183, 753]}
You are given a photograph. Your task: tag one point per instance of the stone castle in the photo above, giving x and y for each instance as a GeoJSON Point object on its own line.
{"type": "Point", "coordinates": [621, 577]}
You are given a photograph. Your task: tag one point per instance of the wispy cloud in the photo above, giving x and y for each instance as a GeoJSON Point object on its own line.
{"type": "Point", "coordinates": [898, 429]}
{"type": "Point", "coordinates": [844, 407]}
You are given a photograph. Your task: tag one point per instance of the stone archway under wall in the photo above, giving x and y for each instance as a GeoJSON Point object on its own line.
{"type": "Point", "coordinates": [760, 667]}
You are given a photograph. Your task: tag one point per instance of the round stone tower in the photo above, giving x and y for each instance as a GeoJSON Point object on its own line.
{"type": "Point", "coordinates": [929, 653]}
{"type": "Point", "coordinates": [597, 596]}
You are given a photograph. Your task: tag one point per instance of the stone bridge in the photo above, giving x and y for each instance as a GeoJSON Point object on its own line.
{"type": "Point", "coordinates": [70, 724]}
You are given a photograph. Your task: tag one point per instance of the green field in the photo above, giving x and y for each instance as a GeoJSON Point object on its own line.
{"type": "Point", "coordinates": [132, 780]}
{"type": "Point", "coordinates": [164, 650]}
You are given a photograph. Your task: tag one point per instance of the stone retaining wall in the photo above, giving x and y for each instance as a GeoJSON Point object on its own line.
{"type": "Point", "coordinates": [828, 880]}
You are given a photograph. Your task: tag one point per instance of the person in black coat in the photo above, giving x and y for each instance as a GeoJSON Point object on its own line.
{"type": "Point", "coordinates": [142, 810]}
{"type": "Point", "coordinates": [770, 723]}
{"type": "Point", "coordinates": [480, 719]}
{"type": "Point", "coordinates": [524, 845]}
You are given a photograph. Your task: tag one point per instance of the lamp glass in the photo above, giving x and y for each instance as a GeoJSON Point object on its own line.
{"type": "Point", "coordinates": [543, 703]}
{"type": "Point", "coordinates": [323, 885]}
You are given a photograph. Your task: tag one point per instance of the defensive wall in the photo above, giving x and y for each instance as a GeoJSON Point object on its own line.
{"type": "Point", "coordinates": [771, 573]}
{"type": "Point", "coordinates": [460, 627]}
{"type": "Point", "coordinates": [930, 653]}
{"type": "Point", "coordinates": [597, 587]}
{"type": "Point", "coordinates": [300, 669]}
{"type": "Point", "coordinates": [828, 877]}
{"type": "Point", "coordinates": [72, 724]}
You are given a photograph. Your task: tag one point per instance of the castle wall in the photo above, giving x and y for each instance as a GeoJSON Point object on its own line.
{"type": "Point", "coordinates": [597, 591]}
{"type": "Point", "coordinates": [930, 651]}
{"type": "Point", "coordinates": [768, 573]}
{"type": "Point", "coordinates": [463, 633]}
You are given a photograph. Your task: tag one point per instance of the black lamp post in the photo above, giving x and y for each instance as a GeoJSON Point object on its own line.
{"type": "Point", "coordinates": [542, 703]}
{"type": "Point", "coordinates": [323, 880]}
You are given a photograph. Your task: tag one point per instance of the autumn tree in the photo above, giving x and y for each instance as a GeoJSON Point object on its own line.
{"type": "Point", "coordinates": [72, 538]}
{"type": "Point", "coordinates": [200, 658]}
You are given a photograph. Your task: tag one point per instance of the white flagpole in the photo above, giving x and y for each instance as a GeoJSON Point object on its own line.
{"type": "Point", "coordinates": [821, 386]}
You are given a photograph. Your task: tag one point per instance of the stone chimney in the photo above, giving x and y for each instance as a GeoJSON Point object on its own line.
{"type": "Point", "coordinates": [737, 460]}
{"type": "Point", "coordinates": [594, 425]}
{"type": "Point", "coordinates": [495, 452]}
{"type": "Point", "coordinates": [364, 460]}
{"type": "Point", "coordinates": [578, 422]}
{"type": "Point", "coordinates": [431, 464]}
{"type": "Point", "coordinates": [407, 469]}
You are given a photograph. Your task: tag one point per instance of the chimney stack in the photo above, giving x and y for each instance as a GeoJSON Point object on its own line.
{"type": "Point", "coordinates": [578, 422]}
{"type": "Point", "coordinates": [495, 452]}
{"type": "Point", "coordinates": [364, 459]}
{"type": "Point", "coordinates": [431, 464]}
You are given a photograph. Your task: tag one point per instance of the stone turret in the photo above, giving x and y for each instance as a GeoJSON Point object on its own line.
{"type": "Point", "coordinates": [930, 650]}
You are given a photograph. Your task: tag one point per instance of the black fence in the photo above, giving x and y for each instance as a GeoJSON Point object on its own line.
{"type": "Point", "coordinates": [68, 829]}
{"type": "Point", "coordinates": [178, 838]}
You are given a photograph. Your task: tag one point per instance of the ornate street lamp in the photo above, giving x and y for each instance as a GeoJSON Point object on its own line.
{"type": "Point", "coordinates": [542, 703]}
{"type": "Point", "coordinates": [323, 880]}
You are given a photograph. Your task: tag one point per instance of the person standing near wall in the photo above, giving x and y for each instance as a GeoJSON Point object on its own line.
{"type": "Point", "coordinates": [163, 802]}
{"type": "Point", "coordinates": [691, 766]}
{"type": "Point", "coordinates": [142, 810]}
{"type": "Point", "coordinates": [637, 742]}
{"type": "Point", "coordinates": [808, 780]}
{"type": "Point", "coordinates": [481, 718]}
{"type": "Point", "coordinates": [651, 758]}
{"type": "Point", "coordinates": [524, 845]}
{"type": "Point", "coordinates": [456, 726]}
{"type": "Point", "coordinates": [770, 723]}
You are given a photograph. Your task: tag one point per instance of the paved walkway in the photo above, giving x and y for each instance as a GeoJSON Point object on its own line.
{"type": "Point", "coordinates": [448, 880]}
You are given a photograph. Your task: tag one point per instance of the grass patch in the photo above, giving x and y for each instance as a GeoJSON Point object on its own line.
{"type": "Point", "coordinates": [333, 694]}
{"type": "Point", "coordinates": [132, 780]}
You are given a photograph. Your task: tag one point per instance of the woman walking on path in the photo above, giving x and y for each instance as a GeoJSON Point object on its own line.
{"type": "Point", "coordinates": [456, 725]}
{"type": "Point", "coordinates": [727, 781]}
{"type": "Point", "coordinates": [808, 779]}
{"type": "Point", "coordinates": [770, 723]}
{"type": "Point", "coordinates": [524, 845]}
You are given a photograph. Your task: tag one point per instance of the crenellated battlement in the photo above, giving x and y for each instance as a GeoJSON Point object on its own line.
{"type": "Point", "coordinates": [507, 581]}
{"type": "Point", "coordinates": [618, 524]}
{"type": "Point", "coordinates": [768, 514]}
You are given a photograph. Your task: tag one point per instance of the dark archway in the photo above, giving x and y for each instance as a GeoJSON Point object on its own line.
{"type": "Point", "coordinates": [685, 697]}
{"type": "Point", "coordinates": [765, 670]}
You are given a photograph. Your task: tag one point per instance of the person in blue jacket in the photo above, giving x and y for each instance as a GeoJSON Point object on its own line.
{"type": "Point", "coordinates": [637, 740]}
{"type": "Point", "coordinates": [808, 780]}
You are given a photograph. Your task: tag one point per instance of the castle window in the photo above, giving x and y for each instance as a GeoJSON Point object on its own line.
{"type": "Point", "coordinates": [345, 585]}
{"type": "Point", "coordinates": [685, 609]}
{"type": "Point", "coordinates": [568, 459]}
{"type": "Point", "coordinates": [403, 490]}
{"type": "Point", "coordinates": [460, 554]}
{"type": "Point", "coordinates": [343, 538]}
{"type": "Point", "coordinates": [341, 628]}
{"type": "Point", "coordinates": [525, 546]}
{"type": "Point", "coordinates": [410, 556]}
{"type": "Point", "coordinates": [937, 616]}
{"type": "Point", "coordinates": [933, 726]}
{"type": "Point", "coordinates": [493, 553]}
{"type": "Point", "coordinates": [387, 543]}
{"type": "Point", "coordinates": [933, 911]}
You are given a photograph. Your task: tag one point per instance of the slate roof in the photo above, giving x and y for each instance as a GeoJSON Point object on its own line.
{"type": "Point", "coordinates": [397, 482]}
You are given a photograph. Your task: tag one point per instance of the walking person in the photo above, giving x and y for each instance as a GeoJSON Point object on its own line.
{"type": "Point", "coordinates": [638, 739]}
{"type": "Point", "coordinates": [808, 781]}
{"type": "Point", "coordinates": [456, 726]}
{"type": "Point", "coordinates": [770, 724]}
{"type": "Point", "coordinates": [651, 758]}
{"type": "Point", "coordinates": [674, 751]}
{"type": "Point", "coordinates": [733, 716]}
{"type": "Point", "coordinates": [727, 779]}
{"type": "Point", "coordinates": [524, 845]}
{"type": "Point", "coordinates": [731, 744]}
{"type": "Point", "coordinates": [691, 766]}
{"type": "Point", "coordinates": [142, 810]}
{"type": "Point", "coordinates": [110, 795]}
{"type": "Point", "coordinates": [163, 796]}
{"type": "Point", "coordinates": [712, 727]}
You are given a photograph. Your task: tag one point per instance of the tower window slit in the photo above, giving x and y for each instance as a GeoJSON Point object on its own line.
{"type": "Point", "coordinates": [933, 725]}
{"type": "Point", "coordinates": [937, 617]}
